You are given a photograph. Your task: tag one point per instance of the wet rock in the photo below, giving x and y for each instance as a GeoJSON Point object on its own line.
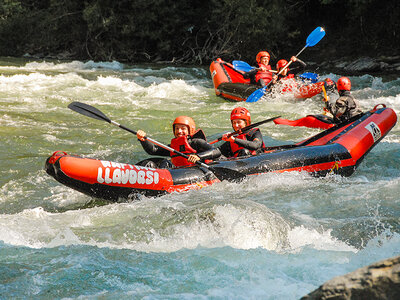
{"type": "Point", "coordinates": [364, 64]}
{"type": "Point", "coordinates": [380, 280]}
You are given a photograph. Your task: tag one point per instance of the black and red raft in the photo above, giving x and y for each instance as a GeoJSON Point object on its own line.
{"type": "Point", "coordinates": [337, 150]}
{"type": "Point", "coordinates": [230, 84]}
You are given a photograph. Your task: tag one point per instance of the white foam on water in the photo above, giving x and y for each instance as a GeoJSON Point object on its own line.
{"type": "Point", "coordinates": [238, 226]}
{"type": "Point", "coordinates": [73, 66]}
{"type": "Point", "coordinates": [174, 89]}
{"type": "Point", "coordinates": [300, 237]}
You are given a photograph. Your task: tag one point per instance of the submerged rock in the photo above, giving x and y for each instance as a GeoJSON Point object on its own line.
{"type": "Point", "coordinates": [380, 280]}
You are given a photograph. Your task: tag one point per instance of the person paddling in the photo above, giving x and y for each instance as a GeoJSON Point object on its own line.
{"type": "Point", "coordinates": [261, 75]}
{"type": "Point", "coordinates": [248, 143]}
{"type": "Point", "coordinates": [297, 66]}
{"type": "Point", "coordinates": [346, 106]}
{"type": "Point", "coordinates": [187, 140]}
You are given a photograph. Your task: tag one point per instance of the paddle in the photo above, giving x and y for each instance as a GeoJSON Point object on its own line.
{"type": "Point", "coordinates": [310, 121]}
{"type": "Point", "coordinates": [219, 172]}
{"type": "Point", "coordinates": [313, 77]}
{"type": "Point", "coordinates": [326, 110]}
{"type": "Point", "coordinates": [242, 66]}
{"type": "Point", "coordinates": [245, 129]}
{"type": "Point", "coordinates": [314, 37]}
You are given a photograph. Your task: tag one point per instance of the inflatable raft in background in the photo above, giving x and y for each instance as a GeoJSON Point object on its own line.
{"type": "Point", "coordinates": [229, 83]}
{"type": "Point", "coordinates": [337, 150]}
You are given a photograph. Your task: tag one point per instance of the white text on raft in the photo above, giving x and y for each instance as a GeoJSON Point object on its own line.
{"type": "Point", "coordinates": [124, 173]}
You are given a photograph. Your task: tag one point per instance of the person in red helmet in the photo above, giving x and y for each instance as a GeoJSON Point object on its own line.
{"type": "Point", "coordinates": [263, 74]}
{"type": "Point", "coordinates": [346, 106]}
{"type": "Point", "coordinates": [187, 140]}
{"type": "Point", "coordinates": [293, 69]}
{"type": "Point", "coordinates": [285, 80]}
{"type": "Point", "coordinates": [247, 143]}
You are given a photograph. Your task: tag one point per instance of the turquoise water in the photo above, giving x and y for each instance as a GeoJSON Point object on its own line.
{"type": "Point", "coordinates": [274, 236]}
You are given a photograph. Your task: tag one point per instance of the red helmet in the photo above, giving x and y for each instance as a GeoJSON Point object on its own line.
{"type": "Point", "coordinates": [241, 113]}
{"type": "Point", "coordinates": [184, 120]}
{"type": "Point", "coordinates": [343, 83]}
{"type": "Point", "coordinates": [262, 54]}
{"type": "Point", "coordinates": [281, 63]}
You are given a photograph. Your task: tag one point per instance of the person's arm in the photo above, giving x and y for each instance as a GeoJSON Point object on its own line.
{"type": "Point", "coordinates": [253, 144]}
{"type": "Point", "coordinates": [209, 154]}
{"type": "Point", "coordinates": [249, 74]}
{"type": "Point", "coordinates": [149, 147]}
{"type": "Point", "coordinates": [297, 67]}
{"type": "Point", "coordinates": [153, 149]}
{"type": "Point", "coordinates": [200, 145]}
{"type": "Point", "coordinates": [204, 150]}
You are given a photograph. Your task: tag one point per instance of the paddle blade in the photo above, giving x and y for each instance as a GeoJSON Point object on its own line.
{"type": "Point", "coordinates": [88, 110]}
{"type": "Point", "coordinates": [313, 77]}
{"type": "Point", "coordinates": [256, 95]}
{"type": "Point", "coordinates": [315, 37]}
{"type": "Point", "coordinates": [227, 174]}
{"type": "Point", "coordinates": [308, 121]}
{"type": "Point", "coordinates": [242, 66]}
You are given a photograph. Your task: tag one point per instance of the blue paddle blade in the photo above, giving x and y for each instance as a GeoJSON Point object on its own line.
{"type": "Point", "coordinates": [315, 37]}
{"type": "Point", "coordinates": [242, 66]}
{"type": "Point", "coordinates": [313, 77]}
{"type": "Point", "coordinates": [256, 95]}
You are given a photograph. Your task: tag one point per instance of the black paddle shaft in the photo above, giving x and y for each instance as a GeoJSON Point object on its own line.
{"type": "Point", "coordinates": [246, 129]}
{"type": "Point", "coordinates": [90, 111]}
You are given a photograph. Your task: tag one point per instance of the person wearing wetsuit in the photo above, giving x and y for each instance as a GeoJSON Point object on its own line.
{"type": "Point", "coordinates": [346, 106]}
{"type": "Point", "coordinates": [248, 143]}
{"type": "Point", "coordinates": [297, 66]}
{"type": "Point", "coordinates": [261, 75]}
{"type": "Point", "coordinates": [285, 79]}
{"type": "Point", "coordinates": [187, 140]}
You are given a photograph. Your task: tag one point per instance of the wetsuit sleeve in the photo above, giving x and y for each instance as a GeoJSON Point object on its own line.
{"type": "Point", "coordinates": [250, 74]}
{"type": "Point", "coordinates": [297, 67]}
{"type": "Point", "coordinates": [209, 154]}
{"type": "Point", "coordinates": [204, 149]}
{"type": "Point", "coordinates": [254, 143]}
{"type": "Point", "coordinates": [153, 149]}
{"type": "Point", "coordinates": [200, 145]}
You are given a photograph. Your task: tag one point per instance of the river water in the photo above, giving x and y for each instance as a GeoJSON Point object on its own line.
{"type": "Point", "coordinates": [274, 236]}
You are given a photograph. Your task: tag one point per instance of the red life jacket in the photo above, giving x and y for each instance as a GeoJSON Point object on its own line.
{"type": "Point", "coordinates": [181, 144]}
{"type": "Point", "coordinates": [266, 75]}
{"type": "Point", "coordinates": [288, 86]}
{"type": "Point", "coordinates": [236, 148]}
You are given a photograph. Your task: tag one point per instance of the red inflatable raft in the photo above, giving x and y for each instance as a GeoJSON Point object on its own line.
{"type": "Point", "coordinates": [337, 150]}
{"type": "Point", "coordinates": [230, 84]}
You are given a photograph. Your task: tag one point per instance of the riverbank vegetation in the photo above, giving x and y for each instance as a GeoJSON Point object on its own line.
{"type": "Point", "coordinates": [197, 31]}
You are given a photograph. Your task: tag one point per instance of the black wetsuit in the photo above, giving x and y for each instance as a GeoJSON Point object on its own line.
{"type": "Point", "coordinates": [249, 144]}
{"type": "Point", "coordinates": [200, 145]}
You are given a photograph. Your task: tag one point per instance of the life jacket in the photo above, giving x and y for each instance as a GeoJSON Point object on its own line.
{"type": "Point", "coordinates": [244, 136]}
{"type": "Point", "coordinates": [265, 75]}
{"type": "Point", "coordinates": [287, 86]}
{"type": "Point", "coordinates": [182, 145]}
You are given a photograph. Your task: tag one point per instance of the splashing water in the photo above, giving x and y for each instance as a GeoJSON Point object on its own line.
{"type": "Point", "coordinates": [274, 236]}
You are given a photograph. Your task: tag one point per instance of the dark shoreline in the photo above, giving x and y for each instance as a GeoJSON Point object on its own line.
{"type": "Point", "coordinates": [387, 66]}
